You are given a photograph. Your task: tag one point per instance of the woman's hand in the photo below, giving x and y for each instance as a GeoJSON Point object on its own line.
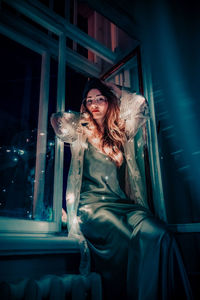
{"type": "Point", "coordinates": [64, 217]}
{"type": "Point", "coordinates": [117, 91]}
{"type": "Point", "coordinates": [84, 119]}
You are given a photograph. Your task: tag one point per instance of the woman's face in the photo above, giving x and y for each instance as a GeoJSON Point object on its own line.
{"type": "Point", "coordinates": [97, 105]}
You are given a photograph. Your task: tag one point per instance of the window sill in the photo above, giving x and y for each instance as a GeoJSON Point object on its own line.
{"type": "Point", "coordinates": [24, 244]}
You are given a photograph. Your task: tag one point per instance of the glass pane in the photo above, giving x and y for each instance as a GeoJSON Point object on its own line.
{"type": "Point", "coordinates": [19, 101]}
{"type": "Point", "coordinates": [47, 208]}
{"type": "Point", "coordinates": [182, 205]}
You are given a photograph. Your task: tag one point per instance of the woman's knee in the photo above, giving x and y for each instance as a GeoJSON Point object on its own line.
{"type": "Point", "coordinates": [150, 228]}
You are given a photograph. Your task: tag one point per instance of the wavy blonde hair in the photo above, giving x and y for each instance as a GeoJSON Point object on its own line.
{"type": "Point", "coordinates": [111, 141]}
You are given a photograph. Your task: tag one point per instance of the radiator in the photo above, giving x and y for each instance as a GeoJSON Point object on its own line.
{"type": "Point", "coordinates": [51, 287]}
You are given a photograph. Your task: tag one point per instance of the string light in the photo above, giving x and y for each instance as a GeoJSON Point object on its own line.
{"type": "Point", "coordinates": [75, 220]}
{"type": "Point", "coordinates": [21, 152]}
{"type": "Point", "coordinates": [64, 131]}
{"type": "Point", "coordinates": [128, 157]}
{"type": "Point", "coordinates": [70, 198]}
{"type": "Point", "coordinates": [51, 143]}
{"type": "Point", "coordinates": [95, 140]}
{"type": "Point", "coordinates": [15, 154]}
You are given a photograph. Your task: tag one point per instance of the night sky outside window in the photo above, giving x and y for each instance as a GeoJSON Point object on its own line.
{"type": "Point", "coordinates": [20, 78]}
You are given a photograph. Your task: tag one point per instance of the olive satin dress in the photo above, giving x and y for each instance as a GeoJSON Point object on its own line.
{"type": "Point", "coordinates": [136, 255]}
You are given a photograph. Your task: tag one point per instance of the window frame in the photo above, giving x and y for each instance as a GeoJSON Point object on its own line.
{"type": "Point", "coordinates": [10, 224]}
{"type": "Point", "coordinates": [16, 225]}
{"type": "Point", "coordinates": [15, 28]}
{"type": "Point", "coordinates": [154, 189]}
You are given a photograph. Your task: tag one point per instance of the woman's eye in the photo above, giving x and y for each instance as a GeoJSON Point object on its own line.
{"type": "Point", "coordinates": [101, 99]}
{"type": "Point", "coordinates": [89, 102]}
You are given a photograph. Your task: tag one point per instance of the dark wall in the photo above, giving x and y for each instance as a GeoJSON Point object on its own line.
{"type": "Point", "coordinates": [170, 36]}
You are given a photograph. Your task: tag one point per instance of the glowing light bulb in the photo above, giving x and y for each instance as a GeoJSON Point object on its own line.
{"type": "Point", "coordinates": [75, 220]}
{"type": "Point", "coordinates": [95, 141]}
{"type": "Point", "coordinates": [21, 152]}
{"type": "Point", "coordinates": [70, 198]}
{"type": "Point", "coordinates": [64, 130]}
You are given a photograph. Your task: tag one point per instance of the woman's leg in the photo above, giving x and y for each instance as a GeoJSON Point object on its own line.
{"type": "Point", "coordinates": [108, 240]}
{"type": "Point", "coordinates": [155, 268]}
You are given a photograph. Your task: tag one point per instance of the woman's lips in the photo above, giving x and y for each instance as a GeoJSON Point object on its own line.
{"type": "Point", "coordinates": [95, 110]}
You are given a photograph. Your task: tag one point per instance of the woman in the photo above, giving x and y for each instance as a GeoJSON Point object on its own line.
{"type": "Point", "coordinates": [133, 251]}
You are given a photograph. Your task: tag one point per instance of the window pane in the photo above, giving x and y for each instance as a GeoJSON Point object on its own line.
{"type": "Point", "coordinates": [19, 101]}
{"type": "Point", "coordinates": [50, 150]}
